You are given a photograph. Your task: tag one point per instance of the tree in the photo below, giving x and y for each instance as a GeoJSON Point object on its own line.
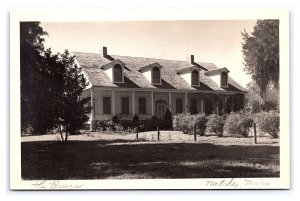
{"type": "Point", "coordinates": [36, 79]}
{"type": "Point", "coordinates": [261, 54]}
{"type": "Point", "coordinates": [72, 110]}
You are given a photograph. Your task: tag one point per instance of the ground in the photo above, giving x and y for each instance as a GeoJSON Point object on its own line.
{"type": "Point", "coordinates": [95, 155]}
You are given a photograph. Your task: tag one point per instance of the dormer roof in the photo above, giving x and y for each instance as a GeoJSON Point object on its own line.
{"type": "Point", "coordinates": [111, 64]}
{"type": "Point", "coordinates": [187, 69]}
{"type": "Point", "coordinates": [217, 71]}
{"type": "Point", "coordinates": [149, 67]}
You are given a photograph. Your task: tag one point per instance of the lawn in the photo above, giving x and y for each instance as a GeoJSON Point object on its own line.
{"type": "Point", "coordinates": [120, 156]}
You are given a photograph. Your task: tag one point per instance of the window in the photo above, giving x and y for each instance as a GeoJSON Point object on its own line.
{"type": "Point", "coordinates": [155, 75]}
{"type": "Point", "coordinates": [224, 79]}
{"type": "Point", "coordinates": [142, 105]}
{"type": "Point", "coordinates": [118, 73]}
{"type": "Point", "coordinates": [195, 78]}
{"type": "Point", "coordinates": [106, 105]}
{"type": "Point", "coordinates": [125, 105]}
{"type": "Point", "coordinates": [178, 105]}
{"type": "Point", "coordinates": [193, 106]}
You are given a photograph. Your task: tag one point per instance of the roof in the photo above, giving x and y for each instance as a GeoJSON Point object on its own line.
{"type": "Point", "coordinates": [91, 65]}
{"type": "Point", "coordinates": [149, 67]}
{"type": "Point", "coordinates": [216, 71]}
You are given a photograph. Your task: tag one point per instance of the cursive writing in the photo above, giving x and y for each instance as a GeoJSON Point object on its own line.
{"type": "Point", "coordinates": [43, 184]}
{"type": "Point", "coordinates": [222, 183]}
{"type": "Point", "coordinates": [260, 182]}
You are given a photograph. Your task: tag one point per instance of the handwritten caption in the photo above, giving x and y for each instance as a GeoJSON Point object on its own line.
{"type": "Point", "coordinates": [235, 183]}
{"type": "Point", "coordinates": [55, 185]}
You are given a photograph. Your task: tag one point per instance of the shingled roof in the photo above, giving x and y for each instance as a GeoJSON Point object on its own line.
{"type": "Point", "coordinates": [133, 78]}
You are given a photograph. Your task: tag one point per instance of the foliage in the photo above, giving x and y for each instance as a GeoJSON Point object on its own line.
{"type": "Point", "coordinates": [166, 122]}
{"type": "Point", "coordinates": [37, 88]}
{"type": "Point", "coordinates": [115, 119]}
{"type": "Point", "coordinates": [261, 53]}
{"type": "Point", "coordinates": [268, 122]}
{"type": "Point", "coordinates": [72, 111]}
{"type": "Point", "coordinates": [200, 121]}
{"type": "Point", "coordinates": [186, 123]}
{"type": "Point", "coordinates": [215, 124]}
{"type": "Point", "coordinates": [135, 120]}
{"type": "Point", "coordinates": [257, 103]}
{"type": "Point", "coordinates": [238, 123]}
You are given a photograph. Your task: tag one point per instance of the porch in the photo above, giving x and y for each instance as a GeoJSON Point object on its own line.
{"type": "Point", "coordinates": [125, 103]}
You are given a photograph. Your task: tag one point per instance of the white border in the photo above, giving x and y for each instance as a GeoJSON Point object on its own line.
{"type": "Point", "coordinates": [15, 168]}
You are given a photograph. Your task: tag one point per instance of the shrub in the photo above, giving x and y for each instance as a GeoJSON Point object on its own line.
{"type": "Point", "coordinates": [166, 122]}
{"type": "Point", "coordinates": [215, 124]}
{"type": "Point", "coordinates": [98, 125]}
{"type": "Point", "coordinates": [115, 119]}
{"type": "Point", "coordinates": [268, 122]}
{"type": "Point", "coordinates": [127, 124]}
{"type": "Point", "coordinates": [135, 121]}
{"type": "Point", "coordinates": [238, 123]}
{"type": "Point", "coordinates": [200, 121]}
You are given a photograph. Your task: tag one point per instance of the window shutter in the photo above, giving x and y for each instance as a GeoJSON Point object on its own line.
{"type": "Point", "coordinates": [178, 105]}
{"type": "Point", "coordinates": [155, 75]}
{"type": "Point", "coordinates": [195, 78]}
{"type": "Point", "coordinates": [106, 105]}
{"type": "Point", "coordinates": [118, 73]}
{"type": "Point", "coordinates": [125, 105]}
{"type": "Point", "coordinates": [142, 105]}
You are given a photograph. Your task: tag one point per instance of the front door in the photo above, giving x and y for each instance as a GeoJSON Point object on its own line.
{"type": "Point", "coordinates": [160, 108]}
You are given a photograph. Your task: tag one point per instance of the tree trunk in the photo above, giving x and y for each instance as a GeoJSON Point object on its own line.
{"type": "Point", "coordinates": [66, 138]}
{"type": "Point", "coordinates": [60, 131]}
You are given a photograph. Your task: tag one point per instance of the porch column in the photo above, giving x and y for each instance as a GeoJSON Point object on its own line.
{"type": "Point", "coordinates": [113, 103]}
{"type": "Point", "coordinates": [92, 105]}
{"type": "Point", "coordinates": [185, 101]}
{"type": "Point", "coordinates": [217, 104]}
{"type": "Point", "coordinates": [152, 104]}
{"type": "Point", "coordinates": [170, 103]}
{"type": "Point", "coordinates": [202, 104]}
{"type": "Point", "coordinates": [133, 103]}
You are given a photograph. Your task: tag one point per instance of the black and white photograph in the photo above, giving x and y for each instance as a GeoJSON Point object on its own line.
{"type": "Point", "coordinates": [116, 101]}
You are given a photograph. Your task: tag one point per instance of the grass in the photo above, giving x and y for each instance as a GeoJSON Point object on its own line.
{"type": "Point", "coordinates": [106, 156]}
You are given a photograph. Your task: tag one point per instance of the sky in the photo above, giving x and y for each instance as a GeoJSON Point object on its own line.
{"type": "Point", "coordinates": [214, 41]}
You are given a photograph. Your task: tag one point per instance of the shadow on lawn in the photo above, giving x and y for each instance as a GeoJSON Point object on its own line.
{"type": "Point", "coordinates": [118, 159]}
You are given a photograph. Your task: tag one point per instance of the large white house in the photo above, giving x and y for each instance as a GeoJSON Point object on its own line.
{"type": "Point", "coordinates": [125, 86]}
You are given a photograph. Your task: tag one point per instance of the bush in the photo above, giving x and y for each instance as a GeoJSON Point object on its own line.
{"type": "Point", "coordinates": [135, 121]}
{"type": "Point", "coordinates": [186, 122]}
{"type": "Point", "coordinates": [115, 119]}
{"type": "Point", "coordinates": [268, 122]}
{"type": "Point", "coordinates": [200, 121]}
{"type": "Point", "coordinates": [166, 122]}
{"type": "Point", "coordinates": [215, 124]}
{"type": "Point", "coordinates": [238, 123]}
{"type": "Point", "coordinates": [98, 125]}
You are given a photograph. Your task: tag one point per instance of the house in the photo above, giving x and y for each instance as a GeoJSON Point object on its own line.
{"type": "Point", "coordinates": [126, 86]}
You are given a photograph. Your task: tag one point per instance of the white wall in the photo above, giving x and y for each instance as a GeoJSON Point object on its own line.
{"type": "Point", "coordinates": [109, 72]}
{"type": "Point", "coordinates": [216, 79]}
{"type": "Point", "coordinates": [148, 75]}
{"type": "Point", "coordinates": [187, 77]}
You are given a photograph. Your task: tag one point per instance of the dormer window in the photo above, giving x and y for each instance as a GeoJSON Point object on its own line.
{"type": "Point", "coordinates": [224, 79]}
{"type": "Point", "coordinates": [152, 73]}
{"type": "Point", "coordinates": [115, 71]}
{"type": "Point", "coordinates": [195, 78]}
{"type": "Point", "coordinates": [155, 75]}
{"type": "Point", "coordinates": [118, 73]}
{"type": "Point", "coordinates": [219, 76]}
{"type": "Point", "coordinates": [190, 75]}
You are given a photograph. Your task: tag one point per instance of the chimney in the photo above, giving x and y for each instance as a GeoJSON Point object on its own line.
{"type": "Point", "coordinates": [104, 51]}
{"type": "Point", "coordinates": [192, 59]}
